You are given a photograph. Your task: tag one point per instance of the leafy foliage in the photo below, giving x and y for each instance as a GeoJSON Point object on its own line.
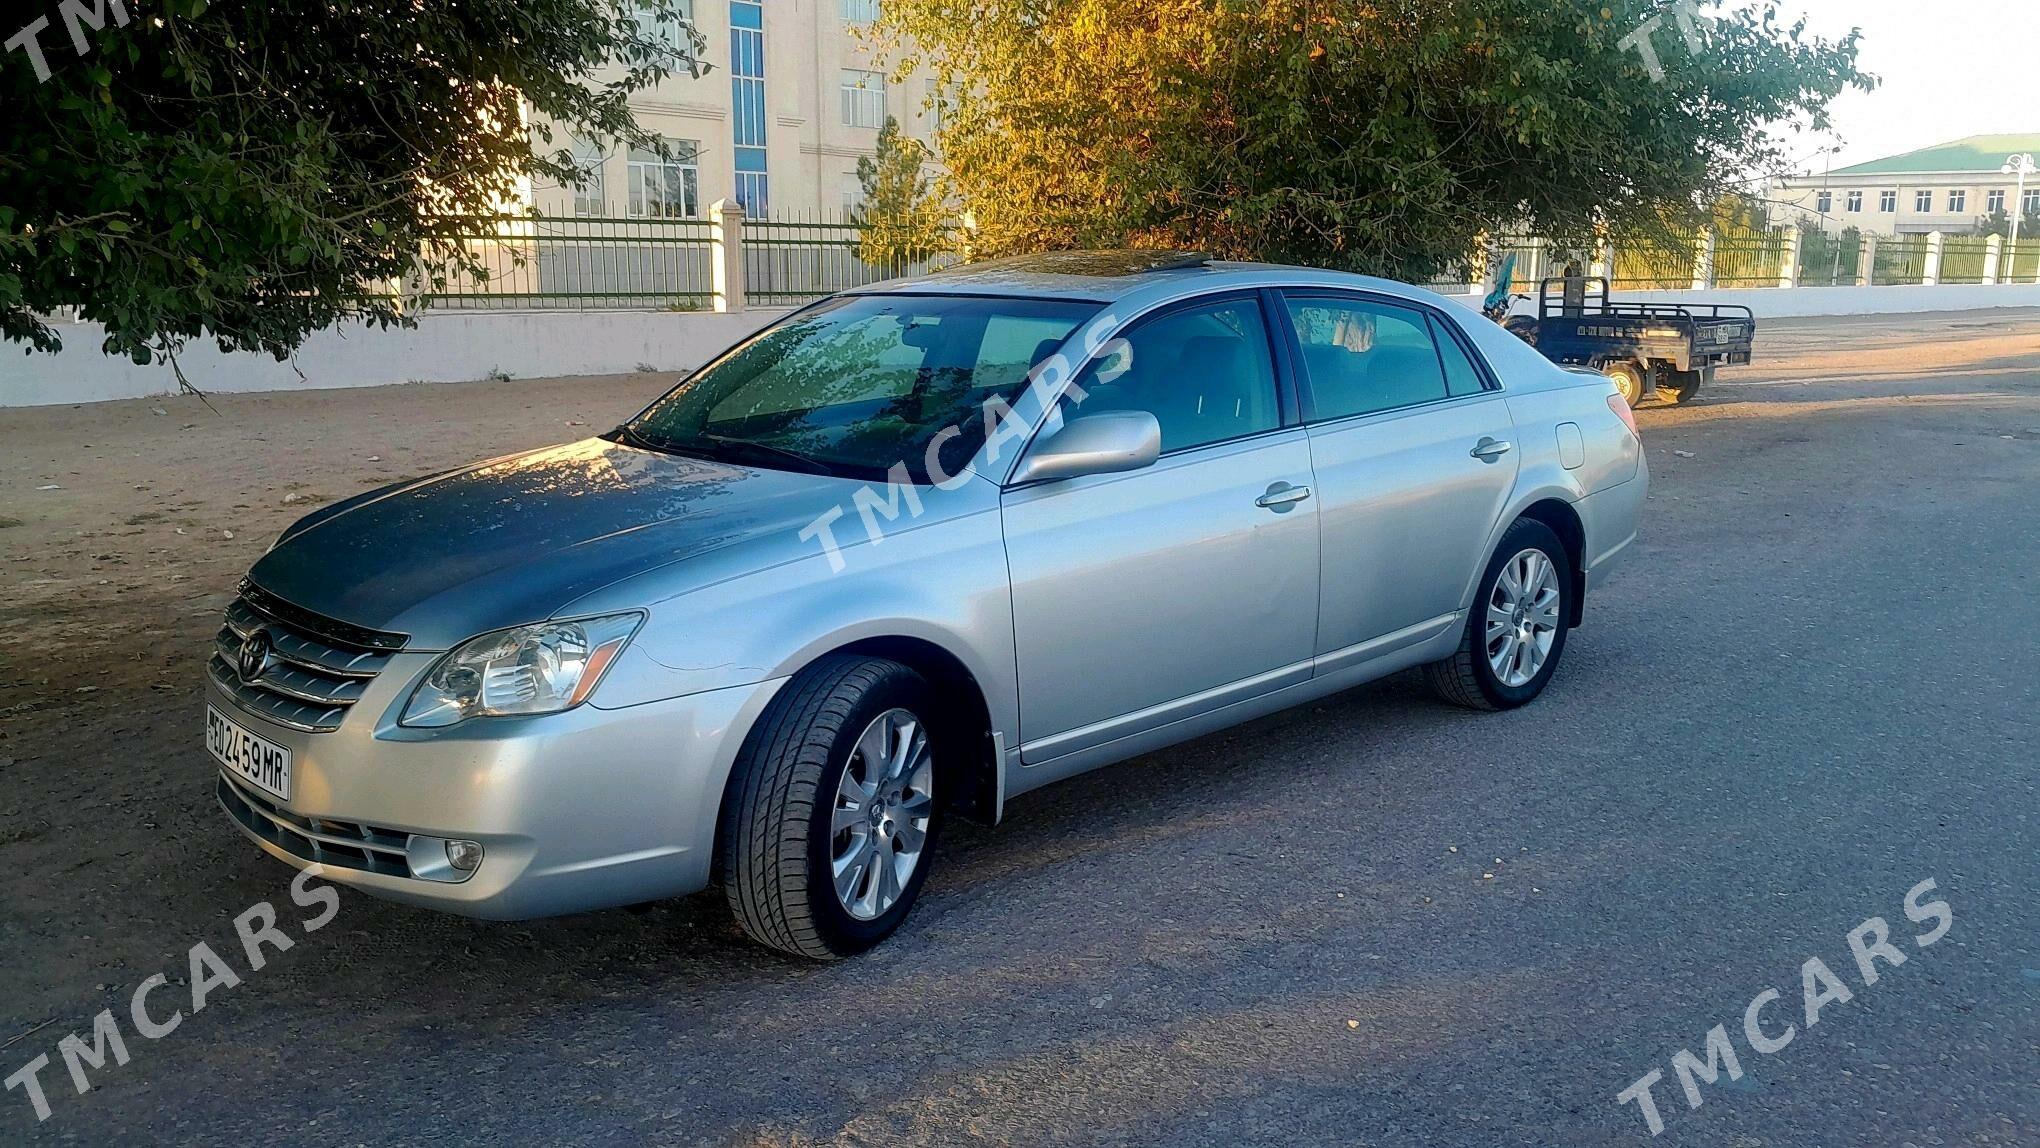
{"type": "Point", "coordinates": [255, 171]}
{"type": "Point", "coordinates": [1375, 135]}
{"type": "Point", "coordinates": [901, 217]}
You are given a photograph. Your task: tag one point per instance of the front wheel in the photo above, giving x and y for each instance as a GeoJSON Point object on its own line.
{"type": "Point", "coordinates": [1516, 631]}
{"type": "Point", "coordinates": [829, 823]}
{"type": "Point", "coordinates": [1628, 376]}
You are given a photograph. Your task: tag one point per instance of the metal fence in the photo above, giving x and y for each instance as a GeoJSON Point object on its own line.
{"type": "Point", "coordinates": [1749, 258]}
{"type": "Point", "coordinates": [1829, 260]}
{"type": "Point", "coordinates": [792, 261]}
{"type": "Point", "coordinates": [1900, 260]}
{"type": "Point", "coordinates": [1964, 258]}
{"type": "Point", "coordinates": [579, 264]}
{"type": "Point", "coordinates": [2021, 262]}
{"type": "Point", "coordinates": [1652, 264]}
{"type": "Point", "coordinates": [554, 263]}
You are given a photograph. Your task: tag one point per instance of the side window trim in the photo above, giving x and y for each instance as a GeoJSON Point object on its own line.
{"type": "Point", "coordinates": [1488, 380]}
{"type": "Point", "coordinates": [1287, 295]}
{"type": "Point", "coordinates": [1195, 303]}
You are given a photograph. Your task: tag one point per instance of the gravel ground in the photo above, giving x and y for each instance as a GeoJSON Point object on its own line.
{"type": "Point", "coordinates": [1371, 921]}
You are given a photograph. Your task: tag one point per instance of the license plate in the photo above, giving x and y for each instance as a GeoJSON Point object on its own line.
{"type": "Point", "coordinates": [260, 762]}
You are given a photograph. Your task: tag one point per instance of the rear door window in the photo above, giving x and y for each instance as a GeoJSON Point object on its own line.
{"type": "Point", "coordinates": [1360, 357]}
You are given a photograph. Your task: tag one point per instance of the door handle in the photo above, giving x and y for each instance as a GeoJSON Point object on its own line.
{"type": "Point", "coordinates": [1490, 449]}
{"type": "Point", "coordinates": [1276, 499]}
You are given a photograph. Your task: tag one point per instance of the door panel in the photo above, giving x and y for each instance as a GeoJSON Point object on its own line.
{"type": "Point", "coordinates": [1407, 513]}
{"type": "Point", "coordinates": [1134, 590]}
{"type": "Point", "coordinates": [1414, 460]}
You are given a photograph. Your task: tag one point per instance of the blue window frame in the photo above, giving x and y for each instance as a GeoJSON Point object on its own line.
{"type": "Point", "coordinates": [747, 104]}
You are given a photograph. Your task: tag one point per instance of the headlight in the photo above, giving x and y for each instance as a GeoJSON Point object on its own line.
{"type": "Point", "coordinates": [538, 669]}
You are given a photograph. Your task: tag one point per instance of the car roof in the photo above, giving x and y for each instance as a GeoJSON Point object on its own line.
{"type": "Point", "coordinates": [1127, 275]}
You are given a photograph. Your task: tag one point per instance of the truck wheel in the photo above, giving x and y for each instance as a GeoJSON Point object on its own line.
{"type": "Point", "coordinates": [829, 822]}
{"type": "Point", "coordinates": [1675, 387]}
{"type": "Point", "coordinates": [1628, 376]}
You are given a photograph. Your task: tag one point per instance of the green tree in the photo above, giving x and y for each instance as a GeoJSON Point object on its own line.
{"type": "Point", "coordinates": [900, 218]}
{"type": "Point", "coordinates": [255, 171]}
{"type": "Point", "coordinates": [1376, 135]}
{"type": "Point", "coordinates": [1999, 223]}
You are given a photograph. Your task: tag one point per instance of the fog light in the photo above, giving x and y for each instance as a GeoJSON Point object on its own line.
{"type": "Point", "coordinates": [465, 856]}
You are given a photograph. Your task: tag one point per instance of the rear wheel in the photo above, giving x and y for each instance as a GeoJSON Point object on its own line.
{"type": "Point", "coordinates": [1523, 327]}
{"type": "Point", "coordinates": [1628, 376]}
{"type": "Point", "coordinates": [1675, 387]}
{"type": "Point", "coordinates": [1516, 631]}
{"type": "Point", "coordinates": [830, 819]}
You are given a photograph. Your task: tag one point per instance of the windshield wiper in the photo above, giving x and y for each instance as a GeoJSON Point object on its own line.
{"type": "Point", "coordinates": [738, 446]}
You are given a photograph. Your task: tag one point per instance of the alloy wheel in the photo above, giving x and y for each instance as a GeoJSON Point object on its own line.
{"type": "Point", "coordinates": [883, 806]}
{"type": "Point", "coordinates": [1522, 618]}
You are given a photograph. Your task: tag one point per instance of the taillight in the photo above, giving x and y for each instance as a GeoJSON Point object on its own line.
{"type": "Point", "coordinates": [1620, 406]}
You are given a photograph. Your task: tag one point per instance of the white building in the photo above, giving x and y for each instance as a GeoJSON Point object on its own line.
{"type": "Point", "coordinates": [778, 124]}
{"type": "Point", "coordinates": [1949, 188]}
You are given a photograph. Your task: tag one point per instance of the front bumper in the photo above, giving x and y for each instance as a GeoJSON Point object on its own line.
{"type": "Point", "coordinates": [586, 809]}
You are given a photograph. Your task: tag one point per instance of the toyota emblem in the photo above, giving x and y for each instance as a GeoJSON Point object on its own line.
{"type": "Point", "coordinates": [254, 656]}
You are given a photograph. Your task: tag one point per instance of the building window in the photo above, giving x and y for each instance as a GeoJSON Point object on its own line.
{"type": "Point", "coordinates": [1855, 201]}
{"type": "Point", "coordinates": [1993, 202]}
{"type": "Point", "coordinates": [665, 188]}
{"type": "Point", "coordinates": [931, 107]}
{"type": "Point", "coordinates": [665, 30]}
{"type": "Point", "coordinates": [2030, 203]}
{"type": "Point", "coordinates": [1958, 201]}
{"type": "Point", "coordinates": [1887, 201]}
{"type": "Point", "coordinates": [863, 98]}
{"type": "Point", "coordinates": [747, 99]}
{"type": "Point", "coordinates": [1824, 202]}
{"type": "Point", "coordinates": [853, 196]}
{"type": "Point", "coordinates": [588, 197]}
{"type": "Point", "coordinates": [1923, 201]}
{"type": "Point", "coordinates": [858, 11]}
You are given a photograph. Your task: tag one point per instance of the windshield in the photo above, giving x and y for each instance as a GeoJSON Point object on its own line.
{"type": "Point", "coordinates": [856, 385]}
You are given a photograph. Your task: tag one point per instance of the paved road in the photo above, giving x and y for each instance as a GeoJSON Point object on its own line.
{"type": "Point", "coordinates": [1374, 921]}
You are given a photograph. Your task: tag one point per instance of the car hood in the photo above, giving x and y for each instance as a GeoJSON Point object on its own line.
{"type": "Point", "coordinates": [515, 539]}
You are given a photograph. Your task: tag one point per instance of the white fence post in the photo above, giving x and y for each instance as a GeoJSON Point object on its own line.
{"type": "Point", "coordinates": [1536, 269]}
{"type": "Point", "coordinates": [726, 253]}
{"type": "Point", "coordinates": [1788, 265]}
{"type": "Point", "coordinates": [1866, 262]}
{"type": "Point", "coordinates": [1703, 261]}
{"type": "Point", "coordinates": [1932, 274]}
{"type": "Point", "coordinates": [1604, 260]}
{"type": "Point", "coordinates": [1993, 254]}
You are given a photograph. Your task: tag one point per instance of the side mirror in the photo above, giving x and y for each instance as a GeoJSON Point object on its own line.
{"type": "Point", "coordinates": [1103, 443]}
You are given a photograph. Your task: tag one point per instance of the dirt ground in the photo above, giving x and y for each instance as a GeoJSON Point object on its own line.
{"type": "Point", "coordinates": [125, 526]}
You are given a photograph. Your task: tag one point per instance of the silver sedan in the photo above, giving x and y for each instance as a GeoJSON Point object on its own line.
{"type": "Point", "coordinates": [905, 553]}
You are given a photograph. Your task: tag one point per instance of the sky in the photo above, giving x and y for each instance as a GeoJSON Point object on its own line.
{"type": "Point", "coordinates": [1951, 68]}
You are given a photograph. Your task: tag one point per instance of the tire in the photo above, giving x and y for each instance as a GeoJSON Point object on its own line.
{"type": "Point", "coordinates": [1675, 387]}
{"type": "Point", "coordinates": [777, 845]}
{"type": "Point", "coordinates": [1523, 327]}
{"type": "Point", "coordinates": [1628, 376]}
{"type": "Point", "coordinates": [1469, 677]}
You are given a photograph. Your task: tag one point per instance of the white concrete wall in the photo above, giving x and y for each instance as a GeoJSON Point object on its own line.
{"type": "Point", "coordinates": [468, 346]}
{"type": "Point", "coordinates": [444, 347]}
{"type": "Point", "coordinates": [1806, 302]}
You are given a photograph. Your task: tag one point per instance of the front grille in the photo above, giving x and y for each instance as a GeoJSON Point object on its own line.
{"type": "Point", "coordinates": [316, 667]}
{"type": "Point", "coordinates": [347, 844]}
